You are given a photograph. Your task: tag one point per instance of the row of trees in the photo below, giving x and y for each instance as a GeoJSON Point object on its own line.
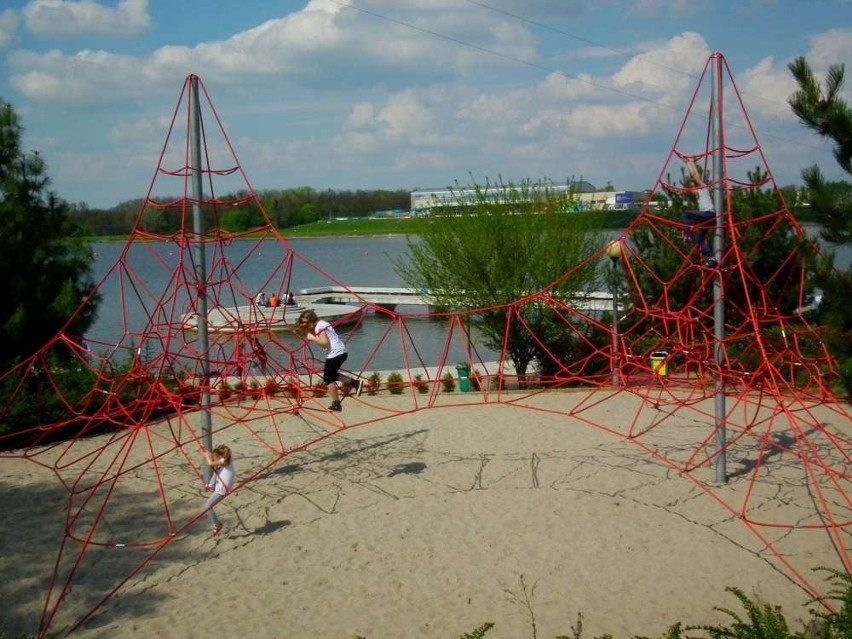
{"type": "Point", "coordinates": [285, 208]}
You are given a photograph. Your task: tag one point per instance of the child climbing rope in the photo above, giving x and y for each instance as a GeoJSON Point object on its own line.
{"type": "Point", "coordinates": [313, 329]}
{"type": "Point", "coordinates": [698, 222]}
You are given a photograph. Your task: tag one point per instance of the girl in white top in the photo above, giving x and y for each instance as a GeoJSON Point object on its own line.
{"type": "Point", "coordinates": [221, 481]}
{"type": "Point", "coordinates": [321, 332]}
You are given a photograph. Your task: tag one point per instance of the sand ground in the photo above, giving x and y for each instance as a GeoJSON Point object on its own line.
{"type": "Point", "coordinates": [428, 525]}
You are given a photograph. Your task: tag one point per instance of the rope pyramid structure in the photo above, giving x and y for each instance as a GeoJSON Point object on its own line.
{"type": "Point", "coordinates": [720, 356]}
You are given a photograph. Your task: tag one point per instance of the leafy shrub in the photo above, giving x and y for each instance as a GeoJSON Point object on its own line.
{"type": "Point", "coordinates": [396, 385]}
{"type": "Point", "coordinates": [373, 382]}
{"type": "Point", "coordinates": [448, 383]}
{"type": "Point", "coordinates": [270, 387]}
{"type": "Point", "coordinates": [421, 384]}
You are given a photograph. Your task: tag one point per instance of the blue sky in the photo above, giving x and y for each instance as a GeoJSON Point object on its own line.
{"type": "Point", "coordinates": [405, 94]}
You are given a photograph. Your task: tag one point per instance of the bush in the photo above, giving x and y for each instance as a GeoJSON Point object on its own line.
{"type": "Point", "coordinates": [271, 387]}
{"type": "Point", "coordinates": [373, 382]}
{"type": "Point", "coordinates": [448, 383]}
{"type": "Point", "coordinates": [846, 378]}
{"type": "Point", "coordinates": [396, 385]}
{"type": "Point", "coordinates": [421, 384]}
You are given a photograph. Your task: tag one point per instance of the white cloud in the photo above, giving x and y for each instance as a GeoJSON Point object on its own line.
{"type": "Point", "coordinates": [79, 17]}
{"type": "Point", "coordinates": [141, 129]}
{"type": "Point", "coordinates": [88, 76]}
{"type": "Point", "coordinates": [323, 46]}
{"type": "Point", "coordinates": [830, 47]}
{"type": "Point", "coordinates": [405, 114]}
{"type": "Point", "coordinates": [356, 143]}
{"type": "Point", "coordinates": [664, 68]}
{"type": "Point", "coordinates": [9, 21]}
{"type": "Point", "coordinates": [669, 7]}
{"type": "Point", "coordinates": [363, 115]}
{"type": "Point", "coordinates": [765, 88]}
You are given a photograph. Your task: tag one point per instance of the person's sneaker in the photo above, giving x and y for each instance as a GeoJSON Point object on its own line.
{"type": "Point", "coordinates": [686, 234]}
{"type": "Point", "coordinates": [336, 407]}
{"type": "Point", "coordinates": [216, 530]}
{"type": "Point", "coordinates": [711, 262]}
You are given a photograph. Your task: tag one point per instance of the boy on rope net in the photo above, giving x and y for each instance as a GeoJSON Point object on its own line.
{"type": "Point", "coordinates": [313, 329]}
{"type": "Point", "coordinates": [221, 481]}
{"type": "Point", "coordinates": [698, 222]}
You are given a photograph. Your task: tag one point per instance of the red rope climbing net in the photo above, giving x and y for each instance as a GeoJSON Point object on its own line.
{"type": "Point", "coordinates": [153, 389]}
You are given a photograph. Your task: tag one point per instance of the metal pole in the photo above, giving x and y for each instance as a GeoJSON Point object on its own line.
{"type": "Point", "coordinates": [615, 371]}
{"type": "Point", "coordinates": [200, 264]}
{"type": "Point", "coordinates": [718, 289]}
{"type": "Point", "coordinates": [613, 250]}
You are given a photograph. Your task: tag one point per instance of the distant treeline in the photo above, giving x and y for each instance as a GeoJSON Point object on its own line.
{"type": "Point", "coordinates": [285, 208]}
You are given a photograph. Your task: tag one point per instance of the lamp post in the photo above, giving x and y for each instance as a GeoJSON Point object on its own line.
{"type": "Point", "coordinates": [613, 251]}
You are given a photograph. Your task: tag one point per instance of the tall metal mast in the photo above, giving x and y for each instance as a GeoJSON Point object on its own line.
{"type": "Point", "coordinates": [716, 135]}
{"type": "Point", "coordinates": [200, 263]}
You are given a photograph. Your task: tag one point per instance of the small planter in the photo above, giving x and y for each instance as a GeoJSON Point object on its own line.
{"type": "Point", "coordinates": [396, 384]}
{"type": "Point", "coordinates": [448, 383]}
{"type": "Point", "coordinates": [225, 392]}
{"type": "Point", "coordinates": [271, 388]}
{"type": "Point", "coordinates": [290, 390]}
{"type": "Point", "coordinates": [422, 385]}
{"type": "Point", "coordinates": [373, 383]}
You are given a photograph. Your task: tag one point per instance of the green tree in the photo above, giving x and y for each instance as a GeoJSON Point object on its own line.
{"type": "Point", "coordinates": [307, 214]}
{"type": "Point", "coordinates": [236, 221]}
{"type": "Point", "coordinates": [502, 243]}
{"type": "Point", "coordinates": [826, 113]}
{"type": "Point", "coordinates": [830, 116]}
{"type": "Point", "coordinates": [768, 280]}
{"type": "Point", "coordinates": [44, 263]}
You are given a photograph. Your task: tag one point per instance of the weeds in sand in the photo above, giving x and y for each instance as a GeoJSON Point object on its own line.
{"type": "Point", "coordinates": [760, 621]}
{"type": "Point", "coordinates": [524, 600]}
{"type": "Point", "coordinates": [479, 632]}
{"type": "Point", "coordinates": [576, 629]}
{"type": "Point", "coordinates": [764, 621]}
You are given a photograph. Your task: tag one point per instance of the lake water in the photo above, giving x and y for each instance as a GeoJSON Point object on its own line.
{"type": "Point", "coordinates": [355, 261]}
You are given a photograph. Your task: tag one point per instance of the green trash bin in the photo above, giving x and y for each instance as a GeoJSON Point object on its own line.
{"type": "Point", "coordinates": [659, 363]}
{"type": "Point", "coordinates": [464, 377]}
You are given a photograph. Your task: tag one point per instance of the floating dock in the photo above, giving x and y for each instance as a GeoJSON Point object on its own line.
{"type": "Point", "coordinates": [337, 304]}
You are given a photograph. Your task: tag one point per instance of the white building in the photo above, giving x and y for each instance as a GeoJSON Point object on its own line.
{"type": "Point", "coordinates": [585, 197]}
